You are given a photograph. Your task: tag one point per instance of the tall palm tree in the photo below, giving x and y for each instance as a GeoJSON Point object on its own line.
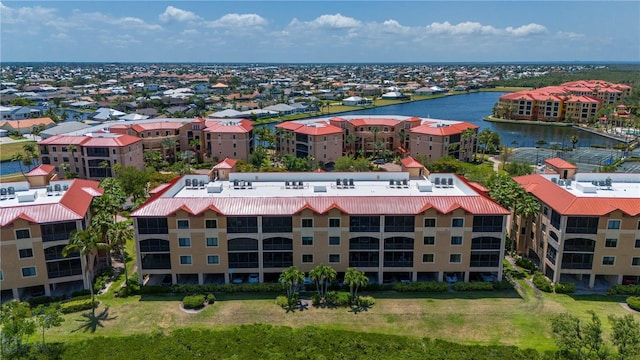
{"type": "Point", "coordinates": [469, 135]}
{"type": "Point", "coordinates": [290, 278]}
{"type": "Point", "coordinates": [375, 130]}
{"type": "Point", "coordinates": [355, 279]}
{"type": "Point", "coordinates": [87, 243]}
{"type": "Point", "coordinates": [526, 208]}
{"type": "Point", "coordinates": [322, 275]}
{"type": "Point", "coordinates": [402, 135]}
{"type": "Point", "coordinates": [350, 140]}
{"type": "Point", "coordinates": [19, 157]}
{"type": "Point", "coordinates": [169, 147]}
{"type": "Point", "coordinates": [118, 235]}
{"type": "Point", "coordinates": [574, 140]}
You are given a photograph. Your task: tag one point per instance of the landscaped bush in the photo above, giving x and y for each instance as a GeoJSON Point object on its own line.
{"type": "Point", "coordinates": [39, 300]}
{"type": "Point", "coordinates": [210, 298]}
{"type": "Point", "coordinates": [227, 288]}
{"type": "Point", "coordinates": [526, 264]}
{"type": "Point", "coordinates": [76, 305]}
{"type": "Point", "coordinates": [150, 290]}
{"type": "Point", "coordinates": [366, 301]}
{"type": "Point", "coordinates": [567, 288]}
{"type": "Point", "coordinates": [634, 302]}
{"type": "Point", "coordinates": [514, 274]}
{"type": "Point", "coordinates": [315, 300]}
{"type": "Point", "coordinates": [193, 301]}
{"type": "Point", "coordinates": [429, 286]}
{"type": "Point", "coordinates": [542, 283]}
{"type": "Point", "coordinates": [82, 292]}
{"type": "Point", "coordinates": [633, 290]}
{"type": "Point", "coordinates": [282, 301]}
{"type": "Point", "coordinates": [502, 285]}
{"type": "Point", "coordinates": [473, 286]}
{"type": "Point", "coordinates": [338, 298]}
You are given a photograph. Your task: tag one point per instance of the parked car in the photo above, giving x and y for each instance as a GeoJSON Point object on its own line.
{"type": "Point", "coordinates": [451, 278]}
{"type": "Point", "coordinates": [236, 280]}
{"type": "Point", "coordinates": [379, 161]}
{"type": "Point", "coordinates": [254, 279]}
{"type": "Point", "coordinates": [489, 277]}
{"type": "Point", "coordinates": [307, 280]}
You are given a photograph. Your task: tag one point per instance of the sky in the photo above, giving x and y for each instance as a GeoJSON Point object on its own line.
{"type": "Point", "coordinates": [319, 31]}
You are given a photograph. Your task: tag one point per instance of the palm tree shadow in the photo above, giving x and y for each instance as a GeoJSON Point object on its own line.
{"type": "Point", "coordinates": [91, 321]}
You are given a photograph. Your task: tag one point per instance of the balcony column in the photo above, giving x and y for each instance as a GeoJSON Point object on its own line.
{"type": "Point", "coordinates": [200, 279]}
{"type": "Point", "coordinates": [47, 290]}
{"type": "Point", "coordinates": [592, 280]}
{"type": "Point", "coordinates": [174, 278]}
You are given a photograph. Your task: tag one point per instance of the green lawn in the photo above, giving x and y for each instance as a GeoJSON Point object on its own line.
{"type": "Point", "coordinates": [8, 150]}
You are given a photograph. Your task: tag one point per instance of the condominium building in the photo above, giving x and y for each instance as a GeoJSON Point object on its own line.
{"type": "Point", "coordinates": [327, 139]}
{"type": "Point", "coordinates": [588, 228]}
{"type": "Point", "coordinates": [91, 156]}
{"type": "Point", "coordinates": [392, 227]}
{"type": "Point", "coordinates": [36, 219]}
{"type": "Point", "coordinates": [576, 101]}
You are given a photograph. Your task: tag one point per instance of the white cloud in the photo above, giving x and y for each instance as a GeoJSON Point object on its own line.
{"type": "Point", "coordinates": [569, 35]}
{"type": "Point", "coordinates": [337, 21]}
{"type": "Point", "coordinates": [36, 14]}
{"type": "Point", "coordinates": [134, 23]}
{"type": "Point", "coordinates": [525, 30]}
{"type": "Point", "coordinates": [174, 14]}
{"type": "Point", "coordinates": [238, 21]}
{"type": "Point", "coordinates": [463, 28]}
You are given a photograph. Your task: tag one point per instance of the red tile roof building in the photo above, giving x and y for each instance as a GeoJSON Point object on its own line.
{"type": "Point", "coordinates": [384, 223]}
{"type": "Point", "coordinates": [588, 227]}
{"type": "Point", "coordinates": [35, 224]}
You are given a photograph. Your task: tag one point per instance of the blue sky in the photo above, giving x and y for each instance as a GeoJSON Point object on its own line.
{"type": "Point", "coordinates": [319, 31]}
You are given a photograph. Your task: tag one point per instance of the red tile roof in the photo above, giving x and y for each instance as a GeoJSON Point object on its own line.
{"type": "Point", "coordinates": [157, 126]}
{"type": "Point", "coordinates": [566, 203]}
{"type": "Point", "coordinates": [374, 121]}
{"type": "Point", "coordinates": [226, 164]}
{"type": "Point", "coordinates": [324, 129]}
{"type": "Point", "coordinates": [40, 170]}
{"type": "Point", "coordinates": [73, 205]}
{"type": "Point", "coordinates": [113, 141]}
{"type": "Point", "coordinates": [560, 163]}
{"type": "Point", "coordinates": [428, 128]}
{"type": "Point", "coordinates": [410, 162]}
{"type": "Point", "coordinates": [27, 123]}
{"type": "Point", "coordinates": [225, 126]}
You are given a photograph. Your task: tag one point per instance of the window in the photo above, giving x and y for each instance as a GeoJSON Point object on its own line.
{"type": "Point", "coordinates": [185, 259]}
{"type": "Point", "coordinates": [544, 227]}
{"type": "Point", "coordinates": [455, 258]}
{"type": "Point", "coordinates": [487, 223]}
{"type": "Point", "coordinates": [611, 243]}
{"type": "Point", "coordinates": [184, 242]}
{"type": "Point", "coordinates": [307, 258]}
{"type": "Point", "coordinates": [242, 224]}
{"type": "Point", "coordinates": [430, 222]}
{"type": "Point", "coordinates": [364, 223]}
{"type": "Point", "coordinates": [429, 240]}
{"type": "Point", "coordinates": [634, 261]}
{"type": "Point", "coordinates": [456, 240]}
{"type": "Point", "coordinates": [211, 224]}
{"type": "Point", "coordinates": [638, 225]}
{"type": "Point", "coordinates": [545, 211]}
{"type": "Point", "coordinates": [334, 240]}
{"type": "Point", "coordinates": [307, 223]}
{"type": "Point", "coordinates": [183, 224]}
{"type": "Point", "coordinates": [457, 222]}
{"type": "Point", "coordinates": [1, 276]}
{"type": "Point", "coordinates": [29, 271]}
{"type": "Point", "coordinates": [25, 253]}
{"type": "Point", "coordinates": [613, 224]}
{"type": "Point", "coordinates": [23, 234]}
{"type": "Point", "coordinates": [212, 241]}
{"type": "Point", "coordinates": [334, 223]}
{"type": "Point", "coordinates": [399, 223]}
{"type": "Point", "coordinates": [608, 260]}
{"type": "Point", "coordinates": [152, 226]}
{"type": "Point", "coordinates": [277, 224]}
{"type": "Point", "coordinates": [428, 258]}
{"type": "Point", "coordinates": [335, 258]}
{"type": "Point", "coordinates": [307, 240]}
{"type": "Point", "coordinates": [637, 244]}
{"type": "Point", "coordinates": [213, 259]}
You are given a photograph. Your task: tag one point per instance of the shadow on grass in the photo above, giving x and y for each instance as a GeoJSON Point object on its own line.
{"type": "Point", "coordinates": [220, 296]}
{"type": "Point", "coordinates": [599, 298]}
{"type": "Point", "coordinates": [359, 308]}
{"type": "Point", "coordinates": [502, 294]}
{"type": "Point", "coordinates": [91, 322]}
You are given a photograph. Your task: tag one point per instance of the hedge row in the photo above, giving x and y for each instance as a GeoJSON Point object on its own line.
{"type": "Point", "coordinates": [430, 286]}
{"type": "Point", "coordinates": [542, 283]}
{"type": "Point", "coordinates": [76, 305]}
{"type": "Point", "coordinates": [473, 286]}
{"type": "Point", "coordinates": [633, 290]}
{"type": "Point", "coordinates": [565, 288]}
{"type": "Point", "coordinates": [634, 302]}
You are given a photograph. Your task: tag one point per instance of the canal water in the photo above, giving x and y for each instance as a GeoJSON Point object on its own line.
{"type": "Point", "coordinates": [470, 107]}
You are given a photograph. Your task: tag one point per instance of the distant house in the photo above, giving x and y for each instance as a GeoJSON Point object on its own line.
{"type": "Point", "coordinates": [356, 101]}
{"type": "Point", "coordinates": [18, 112]}
{"type": "Point", "coordinates": [282, 109]}
{"type": "Point", "coordinates": [63, 128]}
{"type": "Point", "coordinates": [394, 95]}
{"type": "Point", "coordinates": [424, 91]}
{"type": "Point", "coordinates": [104, 114]}
{"type": "Point", "coordinates": [25, 126]}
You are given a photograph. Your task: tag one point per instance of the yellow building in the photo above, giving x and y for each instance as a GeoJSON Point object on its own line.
{"type": "Point", "coordinates": [392, 227]}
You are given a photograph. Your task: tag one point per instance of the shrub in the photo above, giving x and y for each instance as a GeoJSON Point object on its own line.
{"type": "Point", "coordinates": [315, 300]}
{"type": "Point", "coordinates": [514, 274]}
{"type": "Point", "coordinates": [150, 290]}
{"type": "Point", "coordinates": [193, 301]}
{"type": "Point", "coordinates": [83, 292]}
{"type": "Point", "coordinates": [526, 264]}
{"type": "Point", "coordinates": [634, 302]}
{"type": "Point", "coordinates": [338, 298]}
{"type": "Point", "coordinates": [39, 300]}
{"type": "Point", "coordinates": [473, 286]}
{"type": "Point", "coordinates": [502, 285]}
{"type": "Point", "coordinates": [567, 288]}
{"type": "Point", "coordinates": [76, 305]}
{"type": "Point", "coordinates": [366, 301]}
{"type": "Point", "coordinates": [282, 301]}
{"type": "Point", "coordinates": [429, 286]}
{"type": "Point", "coordinates": [633, 290]}
{"type": "Point", "coordinates": [210, 298]}
{"type": "Point", "coordinates": [542, 283]}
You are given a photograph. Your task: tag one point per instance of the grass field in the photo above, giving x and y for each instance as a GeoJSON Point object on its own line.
{"type": "Point", "coordinates": [8, 150]}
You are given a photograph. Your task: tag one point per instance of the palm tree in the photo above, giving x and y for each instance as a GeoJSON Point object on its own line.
{"type": "Point", "coordinates": [402, 135]}
{"type": "Point", "coordinates": [195, 145]}
{"type": "Point", "coordinates": [19, 157]}
{"type": "Point", "coordinates": [574, 140]}
{"type": "Point", "coordinates": [169, 147]}
{"type": "Point", "coordinates": [469, 134]}
{"type": "Point", "coordinates": [526, 208]}
{"type": "Point", "coordinates": [290, 278]}
{"type": "Point", "coordinates": [377, 146]}
{"type": "Point", "coordinates": [375, 130]}
{"type": "Point", "coordinates": [118, 235]}
{"type": "Point", "coordinates": [350, 140]}
{"type": "Point", "coordinates": [355, 279]}
{"type": "Point", "coordinates": [87, 243]}
{"type": "Point", "coordinates": [484, 138]}
{"type": "Point", "coordinates": [322, 275]}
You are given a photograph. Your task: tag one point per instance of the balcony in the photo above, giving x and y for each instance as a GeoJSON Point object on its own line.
{"type": "Point", "coordinates": [156, 261]}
